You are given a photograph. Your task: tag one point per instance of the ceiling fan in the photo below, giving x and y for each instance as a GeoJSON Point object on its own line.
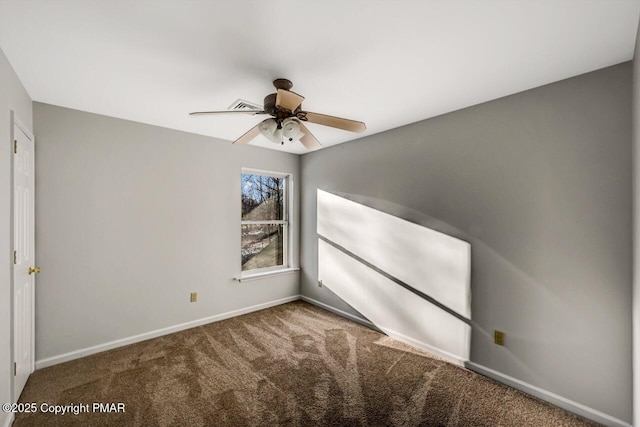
{"type": "Point", "coordinates": [286, 123]}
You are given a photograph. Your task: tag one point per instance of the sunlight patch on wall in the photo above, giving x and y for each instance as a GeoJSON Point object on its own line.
{"type": "Point", "coordinates": [431, 262]}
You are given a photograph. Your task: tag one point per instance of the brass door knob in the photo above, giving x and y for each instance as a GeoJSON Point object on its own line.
{"type": "Point", "coordinates": [34, 270]}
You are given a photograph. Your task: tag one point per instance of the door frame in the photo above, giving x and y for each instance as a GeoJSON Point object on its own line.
{"type": "Point", "coordinates": [15, 121]}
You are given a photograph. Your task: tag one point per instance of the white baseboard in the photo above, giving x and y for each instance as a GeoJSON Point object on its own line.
{"type": "Point", "coordinates": [339, 312]}
{"type": "Point", "coordinates": [9, 420]}
{"type": "Point", "coordinates": [451, 358]}
{"type": "Point", "coordinates": [554, 399]}
{"type": "Point", "coordinates": [393, 334]}
{"type": "Point", "coordinates": [54, 360]}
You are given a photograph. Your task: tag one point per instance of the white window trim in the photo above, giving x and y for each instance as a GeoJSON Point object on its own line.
{"type": "Point", "coordinates": [286, 268]}
{"type": "Point", "coordinates": [263, 274]}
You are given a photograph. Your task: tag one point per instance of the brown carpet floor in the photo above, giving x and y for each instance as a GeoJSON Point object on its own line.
{"type": "Point", "coordinates": [291, 365]}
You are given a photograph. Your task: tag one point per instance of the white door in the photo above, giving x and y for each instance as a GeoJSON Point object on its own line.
{"type": "Point", "coordinates": [23, 258]}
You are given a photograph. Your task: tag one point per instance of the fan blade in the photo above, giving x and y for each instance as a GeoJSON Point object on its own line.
{"type": "Point", "coordinates": [288, 100]}
{"type": "Point", "coordinates": [334, 122]}
{"type": "Point", "coordinates": [247, 137]}
{"type": "Point", "coordinates": [308, 140]}
{"type": "Point", "coordinates": [202, 113]}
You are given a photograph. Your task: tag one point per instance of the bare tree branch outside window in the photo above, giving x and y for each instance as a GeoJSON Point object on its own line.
{"type": "Point", "coordinates": [264, 222]}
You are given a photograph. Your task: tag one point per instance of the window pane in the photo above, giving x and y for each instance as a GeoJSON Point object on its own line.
{"type": "Point", "coordinates": [262, 198]}
{"type": "Point", "coordinates": [262, 246]}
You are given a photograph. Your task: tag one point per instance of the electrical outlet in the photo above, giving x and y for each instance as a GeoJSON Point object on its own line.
{"type": "Point", "coordinates": [498, 337]}
{"type": "Point", "coordinates": [320, 283]}
{"type": "Point", "coordinates": [194, 296]}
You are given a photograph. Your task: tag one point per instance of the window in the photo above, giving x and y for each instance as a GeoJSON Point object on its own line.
{"type": "Point", "coordinates": [265, 222]}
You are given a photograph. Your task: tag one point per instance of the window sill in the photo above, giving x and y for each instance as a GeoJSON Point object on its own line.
{"type": "Point", "coordinates": [264, 274]}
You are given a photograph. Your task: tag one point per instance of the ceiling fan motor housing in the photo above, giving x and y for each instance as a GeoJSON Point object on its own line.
{"type": "Point", "coordinates": [270, 104]}
{"type": "Point", "coordinates": [278, 113]}
{"type": "Point", "coordinates": [270, 100]}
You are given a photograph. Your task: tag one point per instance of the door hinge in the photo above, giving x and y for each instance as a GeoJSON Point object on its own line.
{"type": "Point", "coordinates": [15, 257]}
{"type": "Point", "coordinates": [15, 368]}
{"type": "Point", "coordinates": [15, 146]}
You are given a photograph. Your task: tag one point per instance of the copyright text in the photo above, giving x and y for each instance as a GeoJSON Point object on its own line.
{"type": "Point", "coordinates": [75, 409]}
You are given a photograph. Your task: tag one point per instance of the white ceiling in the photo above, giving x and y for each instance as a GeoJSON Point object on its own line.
{"type": "Point", "coordinates": [387, 63]}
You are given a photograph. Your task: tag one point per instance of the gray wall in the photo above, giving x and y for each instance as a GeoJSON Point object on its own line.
{"type": "Point", "coordinates": [130, 219]}
{"type": "Point", "coordinates": [540, 184]}
{"type": "Point", "coordinates": [636, 232]}
{"type": "Point", "coordinates": [14, 97]}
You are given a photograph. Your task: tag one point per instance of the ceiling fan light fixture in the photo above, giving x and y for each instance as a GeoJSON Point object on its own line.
{"type": "Point", "coordinates": [269, 128]}
{"type": "Point", "coordinates": [291, 129]}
